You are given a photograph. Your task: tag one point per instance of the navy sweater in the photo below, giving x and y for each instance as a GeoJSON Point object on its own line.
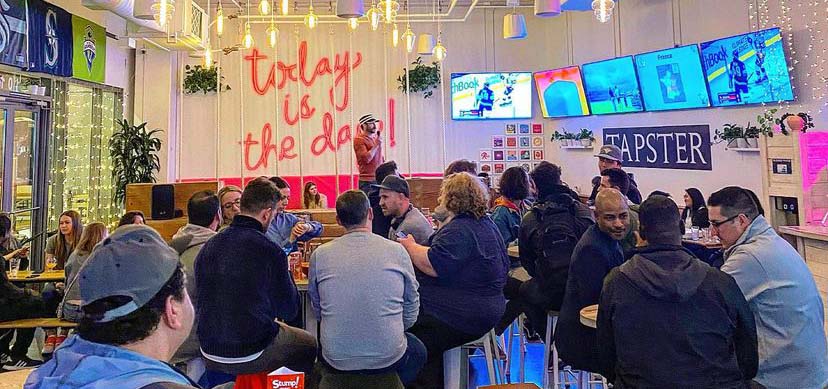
{"type": "Point", "coordinates": [243, 286]}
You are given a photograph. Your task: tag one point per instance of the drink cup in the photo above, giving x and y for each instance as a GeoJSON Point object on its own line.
{"type": "Point", "coordinates": [14, 266]}
{"type": "Point", "coordinates": [694, 233]}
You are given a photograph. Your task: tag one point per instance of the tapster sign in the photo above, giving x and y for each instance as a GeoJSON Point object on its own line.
{"type": "Point", "coordinates": [670, 147]}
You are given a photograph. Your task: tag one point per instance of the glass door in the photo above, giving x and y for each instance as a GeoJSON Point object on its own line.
{"type": "Point", "coordinates": [23, 171]}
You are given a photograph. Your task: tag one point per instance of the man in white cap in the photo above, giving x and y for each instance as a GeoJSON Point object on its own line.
{"type": "Point", "coordinates": [368, 150]}
{"type": "Point", "coordinates": [610, 157]}
{"type": "Point", "coordinates": [136, 314]}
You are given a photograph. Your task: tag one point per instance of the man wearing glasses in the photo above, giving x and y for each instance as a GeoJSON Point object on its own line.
{"type": "Point", "coordinates": [368, 150]}
{"type": "Point", "coordinates": [779, 288]}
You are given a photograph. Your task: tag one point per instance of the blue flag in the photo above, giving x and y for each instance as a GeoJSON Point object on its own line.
{"type": "Point", "coordinates": [13, 32]}
{"type": "Point", "coordinates": [50, 39]}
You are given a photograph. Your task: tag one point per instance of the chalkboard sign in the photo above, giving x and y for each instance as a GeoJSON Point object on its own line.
{"type": "Point", "coordinates": [669, 147]}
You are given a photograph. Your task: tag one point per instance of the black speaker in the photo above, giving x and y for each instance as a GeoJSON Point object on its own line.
{"type": "Point", "coordinates": [163, 202]}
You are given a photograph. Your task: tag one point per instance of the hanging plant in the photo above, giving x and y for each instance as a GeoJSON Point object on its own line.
{"type": "Point", "coordinates": [134, 156]}
{"type": "Point", "coordinates": [766, 123]}
{"type": "Point", "coordinates": [796, 122]}
{"type": "Point", "coordinates": [200, 79]}
{"type": "Point", "coordinates": [421, 78]}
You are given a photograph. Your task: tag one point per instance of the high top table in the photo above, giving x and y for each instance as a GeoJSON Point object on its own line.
{"type": "Point", "coordinates": [47, 276]}
{"type": "Point", "coordinates": [589, 316]}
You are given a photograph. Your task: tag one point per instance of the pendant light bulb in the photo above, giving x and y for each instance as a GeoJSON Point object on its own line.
{"type": "Point", "coordinates": [388, 12]}
{"type": "Point", "coordinates": [272, 34]}
{"type": "Point", "coordinates": [264, 7]}
{"type": "Point", "coordinates": [408, 36]}
{"type": "Point", "coordinates": [285, 7]}
{"type": "Point", "coordinates": [395, 36]}
{"type": "Point", "coordinates": [439, 51]}
{"type": "Point", "coordinates": [219, 20]}
{"type": "Point", "coordinates": [208, 57]}
{"type": "Point", "coordinates": [248, 37]}
{"type": "Point", "coordinates": [353, 23]}
{"type": "Point", "coordinates": [311, 20]}
{"type": "Point", "coordinates": [163, 11]}
{"type": "Point", "coordinates": [374, 17]}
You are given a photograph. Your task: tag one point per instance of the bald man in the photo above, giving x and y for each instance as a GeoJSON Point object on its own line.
{"type": "Point", "coordinates": [598, 252]}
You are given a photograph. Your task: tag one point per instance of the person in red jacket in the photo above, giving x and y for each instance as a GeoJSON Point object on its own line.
{"type": "Point", "coordinates": [368, 150]}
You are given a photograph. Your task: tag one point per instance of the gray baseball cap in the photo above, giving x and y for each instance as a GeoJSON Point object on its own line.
{"type": "Point", "coordinates": [610, 152]}
{"type": "Point", "coordinates": [395, 183]}
{"type": "Point", "coordinates": [133, 262]}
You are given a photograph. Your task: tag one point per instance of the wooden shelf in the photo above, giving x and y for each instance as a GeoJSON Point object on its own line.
{"type": "Point", "coordinates": [744, 150]}
{"type": "Point", "coordinates": [576, 147]}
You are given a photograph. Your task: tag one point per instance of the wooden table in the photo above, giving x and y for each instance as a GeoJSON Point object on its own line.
{"type": "Point", "coordinates": [48, 322]}
{"type": "Point", "coordinates": [812, 245]}
{"type": "Point", "coordinates": [513, 251]}
{"type": "Point", "coordinates": [708, 244]}
{"type": "Point", "coordinates": [589, 316]}
{"type": "Point", "coordinates": [46, 276]}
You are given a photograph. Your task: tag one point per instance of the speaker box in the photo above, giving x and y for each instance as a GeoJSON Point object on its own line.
{"type": "Point", "coordinates": [163, 202]}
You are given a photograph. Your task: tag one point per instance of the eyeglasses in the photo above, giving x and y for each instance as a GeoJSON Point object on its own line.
{"type": "Point", "coordinates": [230, 204]}
{"type": "Point", "coordinates": [716, 224]}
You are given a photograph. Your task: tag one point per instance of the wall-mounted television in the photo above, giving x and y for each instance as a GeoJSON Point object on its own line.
{"type": "Point", "coordinates": [747, 69]}
{"type": "Point", "coordinates": [561, 92]}
{"type": "Point", "coordinates": [612, 87]}
{"type": "Point", "coordinates": [672, 79]}
{"type": "Point", "coordinates": [481, 96]}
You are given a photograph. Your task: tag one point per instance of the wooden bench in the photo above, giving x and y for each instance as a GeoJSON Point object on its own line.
{"type": "Point", "coordinates": [14, 379]}
{"type": "Point", "coordinates": [34, 323]}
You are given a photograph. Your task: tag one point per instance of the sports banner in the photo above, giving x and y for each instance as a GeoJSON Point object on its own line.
{"type": "Point", "coordinates": [50, 39]}
{"type": "Point", "coordinates": [13, 32]}
{"type": "Point", "coordinates": [89, 53]}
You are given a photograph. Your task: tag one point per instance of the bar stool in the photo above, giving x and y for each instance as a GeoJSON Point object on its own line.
{"type": "Point", "coordinates": [456, 362]}
{"type": "Point", "coordinates": [516, 329]}
{"type": "Point", "coordinates": [549, 346]}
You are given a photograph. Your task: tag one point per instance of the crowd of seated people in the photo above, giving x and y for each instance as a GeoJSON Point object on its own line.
{"type": "Point", "coordinates": [221, 291]}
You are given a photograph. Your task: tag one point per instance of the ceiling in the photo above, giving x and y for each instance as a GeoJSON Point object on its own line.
{"type": "Point", "coordinates": [568, 5]}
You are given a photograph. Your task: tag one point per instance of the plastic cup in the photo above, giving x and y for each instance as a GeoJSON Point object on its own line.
{"type": "Point", "coordinates": [694, 233]}
{"type": "Point", "coordinates": [14, 266]}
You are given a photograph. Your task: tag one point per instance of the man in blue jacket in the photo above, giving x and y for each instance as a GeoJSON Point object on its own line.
{"type": "Point", "coordinates": [243, 287]}
{"type": "Point", "coordinates": [287, 229]}
{"type": "Point", "coordinates": [136, 314]}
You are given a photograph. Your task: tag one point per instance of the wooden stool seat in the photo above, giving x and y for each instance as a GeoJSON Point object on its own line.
{"type": "Point", "coordinates": [332, 380]}
{"type": "Point", "coordinates": [14, 379]}
{"type": "Point", "coordinates": [52, 322]}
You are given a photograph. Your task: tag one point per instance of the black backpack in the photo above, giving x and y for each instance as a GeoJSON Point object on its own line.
{"type": "Point", "coordinates": [559, 230]}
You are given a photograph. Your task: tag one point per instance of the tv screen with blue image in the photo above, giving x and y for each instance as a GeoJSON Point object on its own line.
{"type": "Point", "coordinates": [747, 69]}
{"type": "Point", "coordinates": [672, 79]}
{"type": "Point", "coordinates": [612, 86]}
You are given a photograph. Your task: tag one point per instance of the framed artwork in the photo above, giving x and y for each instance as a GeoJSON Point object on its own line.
{"type": "Point", "coordinates": [485, 155]}
{"type": "Point", "coordinates": [497, 141]}
{"type": "Point", "coordinates": [499, 168]}
{"type": "Point", "coordinates": [511, 142]}
{"type": "Point", "coordinates": [537, 141]}
{"type": "Point", "coordinates": [527, 166]}
{"type": "Point", "coordinates": [485, 167]}
{"type": "Point", "coordinates": [523, 128]}
{"type": "Point", "coordinates": [537, 128]}
{"type": "Point", "coordinates": [511, 129]}
{"type": "Point", "coordinates": [537, 155]}
{"type": "Point", "coordinates": [512, 155]}
{"type": "Point", "coordinates": [525, 142]}
{"type": "Point", "coordinates": [498, 155]}
{"type": "Point", "coordinates": [525, 155]}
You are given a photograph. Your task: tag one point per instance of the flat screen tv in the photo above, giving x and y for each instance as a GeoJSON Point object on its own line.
{"type": "Point", "coordinates": [561, 92]}
{"type": "Point", "coordinates": [481, 96]}
{"type": "Point", "coordinates": [612, 87]}
{"type": "Point", "coordinates": [747, 69]}
{"type": "Point", "coordinates": [672, 79]}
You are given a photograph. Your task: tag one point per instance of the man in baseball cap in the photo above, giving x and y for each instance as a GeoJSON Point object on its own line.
{"type": "Point", "coordinates": [610, 157]}
{"type": "Point", "coordinates": [407, 220]}
{"type": "Point", "coordinates": [136, 314]}
{"type": "Point", "coordinates": [368, 150]}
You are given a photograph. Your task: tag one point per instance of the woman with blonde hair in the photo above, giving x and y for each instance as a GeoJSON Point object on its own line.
{"type": "Point", "coordinates": [461, 277]}
{"type": "Point", "coordinates": [312, 199]}
{"type": "Point", "coordinates": [230, 200]}
{"type": "Point", "coordinates": [93, 234]}
{"type": "Point", "coordinates": [60, 246]}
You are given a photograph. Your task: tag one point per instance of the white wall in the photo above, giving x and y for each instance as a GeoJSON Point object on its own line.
{"type": "Point", "coordinates": [477, 45]}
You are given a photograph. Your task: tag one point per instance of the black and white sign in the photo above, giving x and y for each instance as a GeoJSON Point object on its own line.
{"type": "Point", "coordinates": [782, 166]}
{"type": "Point", "coordinates": [673, 147]}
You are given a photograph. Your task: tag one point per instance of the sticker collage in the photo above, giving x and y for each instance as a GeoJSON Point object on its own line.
{"type": "Point", "coordinates": [520, 145]}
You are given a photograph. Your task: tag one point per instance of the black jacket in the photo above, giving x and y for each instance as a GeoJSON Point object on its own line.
{"type": "Point", "coordinates": [699, 217]}
{"type": "Point", "coordinates": [667, 320]}
{"type": "Point", "coordinates": [551, 273]}
{"type": "Point", "coordinates": [633, 194]}
{"type": "Point", "coordinates": [243, 285]}
{"type": "Point", "coordinates": [596, 254]}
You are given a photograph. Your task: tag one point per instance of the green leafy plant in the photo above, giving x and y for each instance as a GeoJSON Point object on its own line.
{"type": "Point", "coordinates": [752, 132]}
{"type": "Point", "coordinates": [585, 134]}
{"type": "Point", "coordinates": [200, 79]}
{"type": "Point", "coordinates": [134, 156]}
{"type": "Point", "coordinates": [729, 132]}
{"type": "Point", "coordinates": [807, 122]}
{"type": "Point", "coordinates": [766, 122]}
{"type": "Point", "coordinates": [421, 78]}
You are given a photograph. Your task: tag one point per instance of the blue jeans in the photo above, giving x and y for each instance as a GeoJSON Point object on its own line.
{"type": "Point", "coordinates": [407, 367]}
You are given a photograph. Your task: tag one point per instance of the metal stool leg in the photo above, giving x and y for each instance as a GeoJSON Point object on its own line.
{"type": "Point", "coordinates": [487, 349]}
{"type": "Point", "coordinates": [522, 346]}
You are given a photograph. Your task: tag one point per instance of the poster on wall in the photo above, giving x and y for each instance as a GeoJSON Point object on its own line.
{"type": "Point", "coordinates": [89, 50]}
{"type": "Point", "coordinates": [669, 147]}
{"type": "Point", "coordinates": [13, 32]}
{"type": "Point", "coordinates": [50, 41]}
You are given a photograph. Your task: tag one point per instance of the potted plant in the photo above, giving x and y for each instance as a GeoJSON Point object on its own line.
{"type": "Point", "coordinates": [201, 79]}
{"type": "Point", "coordinates": [421, 78]}
{"type": "Point", "coordinates": [795, 122]}
{"type": "Point", "coordinates": [134, 156]}
{"type": "Point", "coordinates": [585, 137]}
{"type": "Point", "coordinates": [751, 137]}
{"type": "Point", "coordinates": [729, 133]}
